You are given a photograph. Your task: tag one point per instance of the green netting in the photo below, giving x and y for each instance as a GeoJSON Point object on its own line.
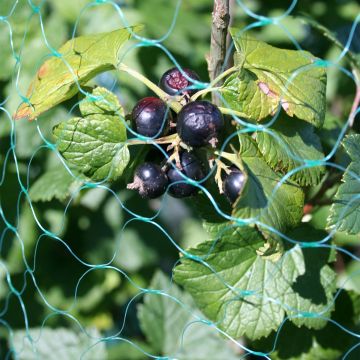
{"type": "Point", "coordinates": [90, 270]}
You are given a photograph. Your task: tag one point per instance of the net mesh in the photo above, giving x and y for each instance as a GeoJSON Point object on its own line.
{"type": "Point", "coordinates": [75, 274]}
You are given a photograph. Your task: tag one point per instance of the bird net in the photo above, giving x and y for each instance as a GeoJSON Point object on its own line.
{"type": "Point", "coordinates": [89, 269]}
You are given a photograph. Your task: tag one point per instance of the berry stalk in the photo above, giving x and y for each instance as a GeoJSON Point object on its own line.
{"type": "Point", "coordinates": [175, 105]}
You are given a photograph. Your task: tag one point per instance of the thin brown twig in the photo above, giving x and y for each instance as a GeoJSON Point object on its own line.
{"type": "Point", "coordinates": [220, 23]}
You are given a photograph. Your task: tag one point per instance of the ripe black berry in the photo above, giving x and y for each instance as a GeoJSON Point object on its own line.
{"type": "Point", "coordinates": [233, 184]}
{"type": "Point", "coordinates": [173, 81]}
{"type": "Point", "coordinates": [199, 123]}
{"type": "Point", "coordinates": [149, 180]}
{"type": "Point", "coordinates": [191, 167]}
{"type": "Point", "coordinates": [149, 116]}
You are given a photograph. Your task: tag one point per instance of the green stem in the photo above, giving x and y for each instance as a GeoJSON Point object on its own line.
{"type": "Point", "coordinates": [211, 87]}
{"type": "Point", "coordinates": [228, 111]}
{"type": "Point", "coordinates": [224, 74]}
{"type": "Point", "coordinates": [203, 92]}
{"type": "Point", "coordinates": [233, 158]}
{"type": "Point", "coordinates": [175, 105]}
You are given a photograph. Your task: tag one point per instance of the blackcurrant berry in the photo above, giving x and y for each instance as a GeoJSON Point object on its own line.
{"type": "Point", "coordinates": [149, 180]}
{"type": "Point", "coordinates": [173, 81]}
{"type": "Point", "coordinates": [199, 123]}
{"type": "Point", "coordinates": [149, 116]}
{"type": "Point", "coordinates": [191, 167]}
{"type": "Point", "coordinates": [233, 184]}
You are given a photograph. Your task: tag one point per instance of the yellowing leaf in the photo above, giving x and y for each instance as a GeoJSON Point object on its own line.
{"type": "Point", "coordinates": [77, 61]}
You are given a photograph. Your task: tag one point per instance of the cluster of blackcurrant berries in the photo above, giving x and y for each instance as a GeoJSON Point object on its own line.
{"type": "Point", "coordinates": [198, 124]}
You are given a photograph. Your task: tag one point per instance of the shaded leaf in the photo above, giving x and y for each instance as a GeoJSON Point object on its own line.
{"type": "Point", "coordinates": [280, 209]}
{"type": "Point", "coordinates": [287, 145]}
{"type": "Point", "coordinates": [57, 344]}
{"type": "Point", "coordinates": [170, 323]}
{"type": "Point", "coordinates": [345, 211]}
{"type": "Point", "coordinates": [246, 294]}
{"type": "Point", "coordinates": [54, 184]}
{"type": "Point", "coordinates": [133, 253]}
{"type": "Point", "coordinates": [329, 343]}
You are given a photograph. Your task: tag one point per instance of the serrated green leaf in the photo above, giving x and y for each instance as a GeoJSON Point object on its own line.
{"type": "Point", "coordinates": [54, 184]}
{"type": "Point", "coordinates": [80, 59]}
{"type": "Point", "coordinates": [329, 343]}
{"type": "Point", "coordinates": [270, 77]}
{"type": "Point", "coordinates": [57, 344]}
{"type": "Point", "coordinates": [103, 101]}
{"type": "Point", "coordinates": [281, 209]}
{"type": "Point", "coordinates": [172, 326]}
{"type": "Point", "coordinates": [287, 145]}
{"type": "Point", "coordinates": [246, 294]}
{"type": "Point", "coordinates": [345, 211]}
{"type": "Point", "coordinates": [95, 143]}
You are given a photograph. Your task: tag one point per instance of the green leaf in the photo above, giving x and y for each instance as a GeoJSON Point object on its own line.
{"type": "Point", "coordinates": [345, 211]}
{"type": "Point", "coordinates": [287, 145]}
{"type": "Point", "coordinates": [270, 77]}
{"type": "Point", "coordinates": [133, 253]}
{"type": "Point", "coordinates": [28, 232]}
{"type": "Point", "coordinates": [60, 343]}
{"type": "Point", "coordinates": [246, 294]}
{"type": "Point", "coordinates": [103, 102]}
{"type": "Point", "coordinates": [79, 60]}
{"type": "Point", "coordinates": [349, 278]}
{"type": "Point", "coordinates": [192, 233]}
{"type": "Point", "coordinates": [124, 350]}
{"type": "Point", "coordinates": [281, 209]}
{"type": "Point", "coordinates": [329, 343]}
{"type": "Point", "coordinates": [95, 143]}
{"type": "Point", "coordinates": [170, 323]}
{"type": "Point", "coordinates": [3, 284]}
{"type": "Point", "coordinates": [55, 184]}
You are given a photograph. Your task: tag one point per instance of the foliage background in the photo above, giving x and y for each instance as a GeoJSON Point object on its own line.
{"type": "Point", "coordinates": [93, 225]}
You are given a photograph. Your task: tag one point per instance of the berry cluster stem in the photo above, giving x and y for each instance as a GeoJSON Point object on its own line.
{"type": "Point", "coordinates": [217, 80]}
{"type": "Point", "coordinates": [234, 158]}
{"type": "Point", "coordinates": [163, 140]}
{"type": "Point", "coordinates": [172, 103]}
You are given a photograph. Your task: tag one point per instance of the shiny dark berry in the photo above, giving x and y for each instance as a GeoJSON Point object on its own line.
{"type": "Point", "coordinates": [199, 123]}
{"type": "Point", "coordinates": [191, 167]}
{"type": "Point", "coordinates": [173, 81]}
{"type": "Point", "coordinates": [150, 117]}
{"type": "Point", "coordinates": [233, 184]}
{"type": "Point", "coordinates": [149, 180]}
